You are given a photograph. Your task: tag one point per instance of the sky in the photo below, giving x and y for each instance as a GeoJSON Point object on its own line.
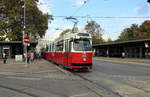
{"type": "Point", "coordinates": [95, 8]}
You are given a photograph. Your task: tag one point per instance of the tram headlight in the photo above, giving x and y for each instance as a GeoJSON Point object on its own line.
{"type": "Point", "coordinates": [84, 59]}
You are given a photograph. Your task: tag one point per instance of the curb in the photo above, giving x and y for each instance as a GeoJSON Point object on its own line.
{"type": "Point", "coordinates": [124, 61]}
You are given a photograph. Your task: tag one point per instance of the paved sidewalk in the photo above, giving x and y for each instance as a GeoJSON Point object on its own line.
{"type": "Point", "coordinates": [40, 79]}
{"type": "Point", "coordinates": [17, 66]}
{"type": "Point", "coordinates": [145, 62]}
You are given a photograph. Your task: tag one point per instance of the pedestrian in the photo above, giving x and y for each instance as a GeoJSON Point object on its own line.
{"type": "Point", "coordinates": [36, 55]}
{"type": "Point", "coordinates": [123, 54]}
{"type": "Point", "coordinates": [39, 54]}
{"type": "Point", "coordinates": [28, 56]}
{"type": "Point", "coordinates": [4, 58]}
{"type": "Point", "coordinates": [32, 56]}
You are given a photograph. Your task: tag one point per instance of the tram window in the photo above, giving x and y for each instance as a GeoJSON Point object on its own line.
{"type": "Point", "coordinates": [53, 48]}
{"type": "Point", "coordinates": [70, 46]}
{"type": "Point", "coordinates": [50, 48]}
{"type": "Point", "coordinates": [66, 46]}
{"type": "Point", "coordinates": [59, 46]}
{"type": "Point", "coordinates": [46, 48]}
{"type": "Point", "coordinates": [82, 45]}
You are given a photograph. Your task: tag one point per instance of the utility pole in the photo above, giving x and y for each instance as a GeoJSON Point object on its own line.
{"type": "Point", "coordinates": [24, 33]}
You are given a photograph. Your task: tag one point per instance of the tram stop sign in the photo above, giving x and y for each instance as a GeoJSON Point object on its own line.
{"type": "Point", "coordinates": [26, 40]}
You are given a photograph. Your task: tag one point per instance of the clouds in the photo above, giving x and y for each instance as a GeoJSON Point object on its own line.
{"type": "Point", "coordinates": [55, 28]}
{"type": "Point", "coordinates": [45, 6]}
{"type": "Point", "coordinates": [52, 34]}
{"type": "Point", "coordinates": [142, 10]}
{"type": "Point", "coordinates": [79, 3]}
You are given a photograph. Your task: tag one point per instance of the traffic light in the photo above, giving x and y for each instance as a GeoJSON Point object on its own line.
{"type": "Point", "coordinates": [148, 1]}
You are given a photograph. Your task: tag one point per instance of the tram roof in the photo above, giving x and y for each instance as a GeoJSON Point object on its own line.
{"type": "Point", "coordinates": [123, 42]}
{"type": "Point", "coordinates": [68, 36]}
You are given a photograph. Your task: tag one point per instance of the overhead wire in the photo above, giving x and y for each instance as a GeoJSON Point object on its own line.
{"type": "Point", "coordinates": [106, 17]}
{"type": "Point", "coordinates": [84, 2]}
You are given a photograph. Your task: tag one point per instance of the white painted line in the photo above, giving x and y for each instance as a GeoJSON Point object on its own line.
{"type": "Point", "coordinates": [80, 95]}
{"type": "Point", "coordinates": [24, 78]}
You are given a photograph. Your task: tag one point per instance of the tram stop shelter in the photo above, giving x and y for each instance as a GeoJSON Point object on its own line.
{"type": "Point", "coordinates": [13, 48]}
{"type": "Point", "coordinates": [126, 49]}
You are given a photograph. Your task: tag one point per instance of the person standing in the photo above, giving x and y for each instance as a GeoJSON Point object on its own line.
{"type": "Point", "coordinates": [28, 56]}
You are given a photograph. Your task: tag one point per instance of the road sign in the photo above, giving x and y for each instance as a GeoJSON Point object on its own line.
{"type": "Point", "coordinates": [26, 40]}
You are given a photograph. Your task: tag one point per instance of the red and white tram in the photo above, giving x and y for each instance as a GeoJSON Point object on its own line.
{"type": "Point", "coordinates": [72, 50]}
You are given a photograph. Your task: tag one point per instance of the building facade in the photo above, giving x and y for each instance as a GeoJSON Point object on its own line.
{"type": "Point", "coordinates": [12, 48]}
{"type": "Point", "coordinates": [127, 49]}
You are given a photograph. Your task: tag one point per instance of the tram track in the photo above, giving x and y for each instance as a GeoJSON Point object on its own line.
{"type": "Point", "coordinates": [98, 86]}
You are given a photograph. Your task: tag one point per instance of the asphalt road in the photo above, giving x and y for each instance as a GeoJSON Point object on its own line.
{"type": "Point", "coordinates": [120, 79]}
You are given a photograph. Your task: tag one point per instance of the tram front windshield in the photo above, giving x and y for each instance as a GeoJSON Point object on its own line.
{"type": "Point", "coordinates": [82, 45]}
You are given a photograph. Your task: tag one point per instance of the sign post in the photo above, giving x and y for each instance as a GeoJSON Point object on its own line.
{"type": "Point", "coordinates": [26, 43]}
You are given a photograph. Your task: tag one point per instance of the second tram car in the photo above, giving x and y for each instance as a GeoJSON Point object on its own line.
{"type": "Point", "coordinates": [72, 50]}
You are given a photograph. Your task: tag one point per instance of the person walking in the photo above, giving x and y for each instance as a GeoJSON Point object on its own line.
{"type": "Point", "coordinates": [4, 58]}
{"type": "Point", "coordinates": [39, 54]}
{"type": "Point", "coordinates": [32, 56]}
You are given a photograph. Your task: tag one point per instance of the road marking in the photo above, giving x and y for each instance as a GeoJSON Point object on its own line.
{"type": "Point", "coordinates": [24, 78]}
{"type": "Point", "coordinates": [36, 72]}
{"type": "Point", "coordinates": [7, 73]}
{"type": "Point", "coordinates": [80, 95]}
{"type": "Point", "coordinates": [44, 71]}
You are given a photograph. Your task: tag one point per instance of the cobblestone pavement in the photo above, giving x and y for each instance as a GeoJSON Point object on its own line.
{"type": "Point", "coordinates": [40, 79]}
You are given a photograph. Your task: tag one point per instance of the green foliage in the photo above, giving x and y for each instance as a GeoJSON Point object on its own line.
{"type": "Point", "coordinates": [136, 32]}
{"type": "Point", "coordinates": [11, 19]}
{"type": "Point", "coordinates": [145, 30]}
{"type": "Point", "coordinates": [129, 33]}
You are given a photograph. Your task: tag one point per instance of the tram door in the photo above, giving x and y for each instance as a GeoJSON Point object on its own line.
{"type": "Point", "coordinates": [67, 52]}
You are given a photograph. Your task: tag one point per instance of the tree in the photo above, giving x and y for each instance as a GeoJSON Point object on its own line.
{"type": "Point", "coordinates": [130, 33]}
{"type": "Point", "coordinates": [11, 20]}
{"type": "Point", "coordinates": [109, 40]}
{"type": "Point", "coordinates": [65, 31]}
{"type": "Point", "coordinates": [144, 30]}
{"type": "Point", "coordinates": [96, 31]}
{"type": "Point", "coordinates": [136, 32]}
